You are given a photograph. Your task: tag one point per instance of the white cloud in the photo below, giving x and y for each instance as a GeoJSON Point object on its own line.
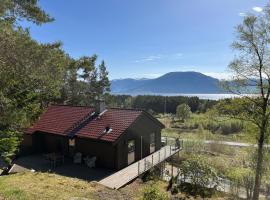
{"type": "Point", "coordinates": [149, 58]}
{"type": "Point", "coordinates": [159, 57]}
{"type": "Point", "coordinates": [257, 9]}
{"type": "Point", "coordinates": [242, 14]}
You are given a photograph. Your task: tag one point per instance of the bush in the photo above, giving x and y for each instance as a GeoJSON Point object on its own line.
{"type": "Point", "coordinates": [175, 189]}
{"type": "Point", "coordinates": [224, 128]}
{"type": "Point", "coordinates": [150, 175]}
{"type": "Point", "coordinates": [197, 191]}
{"type": "Point", "coordinates": [200, 175]}
{"type": "Point", "coordinates": [152, 192]}
{"type": "Point", "coordinates": [183, 112]}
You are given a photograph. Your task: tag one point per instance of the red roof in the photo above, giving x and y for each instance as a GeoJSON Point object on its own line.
{"type": "Point", "coordinates": [61, 119]}
{"type": "Point", "coordinates": [118, 120]}
{"type": "Point", "coordinates": [58, 119]}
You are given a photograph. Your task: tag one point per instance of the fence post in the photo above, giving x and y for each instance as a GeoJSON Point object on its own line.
{"type": "Point", "coordinates": [172, 170]}
{"type": "Point", "coordinates": [182, 144]}
{"type": "Point", "coordinates": [159, 156]}
{"type": "Point", "coordinates": [139, 168]}
{"type": "Point", "coordinates": [145, 164]}
{"type": "Point", "coordinates": [152, 160]}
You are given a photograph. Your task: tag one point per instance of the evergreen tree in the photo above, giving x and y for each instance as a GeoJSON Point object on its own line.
{"type": "Point", "coordinates": [103, 82]}
{"type": "Point", "coordinates": [31, 73]}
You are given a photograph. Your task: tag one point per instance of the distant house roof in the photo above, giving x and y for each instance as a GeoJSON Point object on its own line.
{"type": "Point", "coordinates": [63, 120]}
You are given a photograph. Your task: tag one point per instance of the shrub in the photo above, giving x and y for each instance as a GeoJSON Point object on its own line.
{"type": "Point", "coordinates": [200, 174]}
{"type": "Point", "coordinates": [183, 112]}
{"type": "Point", "coordinates": [152, 192]}
{"type": "Point", "coordinates": [175, 189]}
{"type": "Point", "coordinates": [150, 175]}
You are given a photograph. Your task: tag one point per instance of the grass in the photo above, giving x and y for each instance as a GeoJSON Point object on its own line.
{"type": "Point", "coordinates": [137, 189]}
{"type": "Point", "coordinates": [197, 134]}
{"type": "Point", "coordinates": [195, 128]}
{"type": "Point", "coordinates": [43, 186]}
{"type": "Point", "coordinates": [32, 186]}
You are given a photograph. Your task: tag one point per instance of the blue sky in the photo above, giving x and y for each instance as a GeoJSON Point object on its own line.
{"type": "Point", "coordinates": [148, 38]}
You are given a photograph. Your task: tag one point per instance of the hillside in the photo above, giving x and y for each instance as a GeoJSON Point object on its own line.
{"type": "Point", "coordinates": [32, 186]}
{"type": "Point", "coordinates": [37, 185]}
{"type": "Point", "coordinates": [173, 82]}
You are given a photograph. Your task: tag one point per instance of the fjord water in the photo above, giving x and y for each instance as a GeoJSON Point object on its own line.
{"type": "Point", "coordinates": [200, 96]}
{"type": "Point", "coordinates": [204, 96]}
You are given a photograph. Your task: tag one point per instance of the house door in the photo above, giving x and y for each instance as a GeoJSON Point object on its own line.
{"type": "Point", "coordinates": [131, 151]}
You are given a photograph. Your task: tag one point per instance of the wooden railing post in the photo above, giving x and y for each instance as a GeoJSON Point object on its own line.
{"type": "Point", "coordinates": [158, 156]}
{"type": "Point", "coordinates": [138, 168]}
{"type": "Point", "coordinates": [152, 160]}
{"type": "Point", "coordinates": [165, 152]}
{"type": "Point", "coordinates": [172, 170]}
{"type": "Point", "coordinates": [145, 164]}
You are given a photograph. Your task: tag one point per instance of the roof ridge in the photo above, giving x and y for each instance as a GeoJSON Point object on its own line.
{"type": "Point", "coordinates": [133, 109]}
{"type": "Point", "coordinates": [69, 105]}
{"type": "Point", "coordinates": [114, 108]}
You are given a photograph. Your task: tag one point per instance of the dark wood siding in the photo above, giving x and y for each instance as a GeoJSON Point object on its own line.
{"type": "Point", "coordinates": [142, 127]}
{"type": "Point", "coordinates": [26, 145]}
{"type": "Point", "coordinates": [104, 151]}
{"type": "Point", "coordinates": [48, 143]}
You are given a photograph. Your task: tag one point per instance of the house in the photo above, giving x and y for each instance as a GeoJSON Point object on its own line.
{"type": "Point", "coordinates": [116, 137]}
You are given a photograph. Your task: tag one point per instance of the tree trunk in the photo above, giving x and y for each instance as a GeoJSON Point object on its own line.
{"type": "Point", "coordinates": [256, 191]}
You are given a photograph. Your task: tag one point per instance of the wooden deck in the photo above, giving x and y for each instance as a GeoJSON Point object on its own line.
{"type": "Point", "coordinates": [124, 176]}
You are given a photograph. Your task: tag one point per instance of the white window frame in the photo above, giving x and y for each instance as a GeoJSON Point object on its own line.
{"type": "Point", "coordinates": [152, 142]}
{"type": "Point", "coordinates": [131, 153]}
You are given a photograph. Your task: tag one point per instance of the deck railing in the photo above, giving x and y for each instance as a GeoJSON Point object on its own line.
{"type": "Point", "coordinates": [171, 146]}
{"type": "Point", "coordinates": [124, 176]}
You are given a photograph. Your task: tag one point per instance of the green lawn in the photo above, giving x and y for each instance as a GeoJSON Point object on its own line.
{"type": "Point", "coordinates": [41, 186]}
{"type": "Point", "coordinates": [33, 186]}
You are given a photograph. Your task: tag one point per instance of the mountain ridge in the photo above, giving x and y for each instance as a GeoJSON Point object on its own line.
{"type": "Point", "coordinates": [172, 82]}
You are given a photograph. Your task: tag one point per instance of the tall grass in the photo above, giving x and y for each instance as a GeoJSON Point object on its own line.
{"type": "Point", "coordinates": [214, 125]}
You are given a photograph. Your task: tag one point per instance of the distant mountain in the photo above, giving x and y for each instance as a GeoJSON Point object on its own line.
{"type": "Point", "coordinates": [173, 82]}
{"type": "Point", "coordinates": [125, 85]}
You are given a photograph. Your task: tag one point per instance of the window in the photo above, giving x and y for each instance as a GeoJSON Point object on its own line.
{"type": "Point", "coordinates": [152, 143]}
{"type": "Point", "coordinates": [71, 142]}
{"type": "Point", "coordinates": [131, 146]}
{"type": "Point", "coordinates": [131, 151]}
{"type": "Point", "coordinates": [71, 146]}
